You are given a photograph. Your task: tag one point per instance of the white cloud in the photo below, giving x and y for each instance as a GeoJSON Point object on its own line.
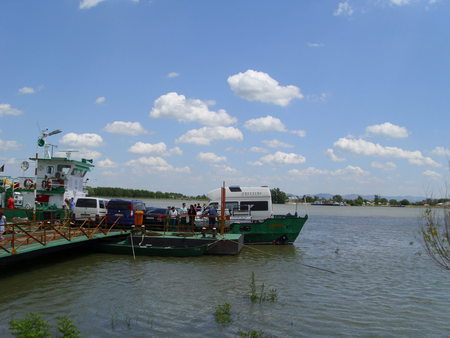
{"type": "Point", "coordinates": [173, 75]}
{"type": "Point", "coordinates": [259, 86]}
{"type": "Point", "coordinates": [7, 109]}
{"type": "Point", "coordinates": [364, 148]}
{"type": "Point", "coordinates": [125, 128]}
{"type": "Point", "coordinates": [348, 171]}
{"type": "Point", "coordinates": [332, 156]}
{"type": "Point", "coordinates": [100, 99]}
{"type": "Point", "coordinates": [175, 151]}
{"type": "Point", "coordinates": [400, 2]}
{"type": "Point", "coordinates": [148, 148]}
{"type": "Point", "coordinates": [151, 164]}
{"type": "Point", "coordinates": [8, 145]}
{"type": "Point", "coordinates": [267, 123]}
{"type": "Point", "coordinates": [432, 174]}
{"type": "Point", "coordinates": [441, 151]}
{"type": "Point", "coordinates": [205, 135]}
{"type": "Point", "coordinates": [258, 150]}
{"type": "Point", "coordinates": [277, 144]}
{"type": "Point", "coordinates": [107, 163]}
{"type": "Point", "coordinates": [222, 170]}
{"type": "Point", "coordinates": [388, 129]}
{"type": "Point", "coordinates": [178, 107]}
{"type": "Point", "coordinates": [211, 157]}
{"type": "Point", "coordinates": [384, 166]}
{"type": "Point", "coordinates": [299, 133]}
{"type": "Point", "coordinates": [315, 44]}
{"type": "Point", "coordinates": [283, 158]}
{"type": "Point", "coordinates": [86, 4]}
{"type": "Point", "coordinates": [27, 90]}
{"type": "Point", "coordinates": [82, 140]}
{"type": "Point", "coordinates": [344, 8]}
{"type": "Point", "coordinates": [255, 164]}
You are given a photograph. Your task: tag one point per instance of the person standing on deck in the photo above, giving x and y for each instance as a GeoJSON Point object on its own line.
{"type": "Point", "coordinates": [173, 213]}
{"type": "Point", "coordinates": [183, 214]}
{"type": "Point", "coordinates": [10, 202]}
{"type": "Point", "coordinates": [192, 213]}
{"type": "Point", "coordinates": [72, 207]}
{"type": "Point", "coordinates": [2, 225]}
{"type": "Point", "coordinates": [212, 216]}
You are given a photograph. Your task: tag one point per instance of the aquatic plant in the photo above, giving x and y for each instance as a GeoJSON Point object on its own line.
{"type": "Point", "coordinates": [222, 314]}
{"type": "Point", "coordinates": [33, 325]}
{"type": "Point", "coordinates": [251, 334]}
{"type": "Point", "coordinates": [271, 295]}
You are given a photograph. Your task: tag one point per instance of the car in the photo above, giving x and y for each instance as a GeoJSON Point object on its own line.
{"type": "Point", "coordinates": [90, 207]}
{"type": "Point", "coordinates": [155, 215]}
{"type": "Point", "coordinates": [124, 210]}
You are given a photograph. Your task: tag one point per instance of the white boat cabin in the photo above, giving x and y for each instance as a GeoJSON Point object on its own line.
{"type": "Point", "coordinates": [254, 203]}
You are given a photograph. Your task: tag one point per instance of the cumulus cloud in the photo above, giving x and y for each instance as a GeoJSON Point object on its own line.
{"type": "Point", "coordinates": [268, 123]}
{"type": "Point", "coordinates": [255, 164]}
{"type": "Point", "coordinates": [276, 144]}
{"type": "Point", "coordinates": [211, 157]}
{"type": "Point", "coordinates": [387, 129]}
{"type": "Point", "coordinates": [315, 44]}
{"type": "Point", "coordinates": [432, 174]}
{"type": "Point", "coordinates": [82, 140]}
{"type": "Point", "coordinates": [258, 150]}
{"type": "Point", "coordinates": [362, 147]}
{"type": "Point", "coordinates": [151, 164]}
{"type": "Point", "coordinates": [8, 145]}
{"type": "Point", "coordinates": [400, 2]}
{"type": "Point", "coordinates": [125, 128]}
{"type": "Point", "coordinates": [86, 4]}
{"type": "Point", "coordinates": [100, 100]}
{"type": "Point", "coordinates": [384, 166]}
{"type": "Point", "coordinates": [441, 151]}
{"type": "Point", "coordinates": [178, 107]}
{"type": "Point", "coordinates": [283, 158]}
{"type": "Point", "coordinates": [107, 163]}
{"type": "Point", "coordinates": [332, 156]}
{"type": "Point", "coordinates": [171, 75]}
{"type": "Point", "coordinates": [27, 90]}
{"type": "Point", "coordinates": [205, 135]}
{"type": "Point", "coordinates": [148, 148]}
{"type": "Point", "coordinates": [7, 109]}
{"type": "Point", "coordinates": [224, 170]}
{"type": "Point", "coordinates": [348, 171]}
{"type": "Point", "coordinates": [258, 86]}
{"type": "Point", "coordinates": [343, 9]}
{"type": "Point", "coordinates": [299, 133]}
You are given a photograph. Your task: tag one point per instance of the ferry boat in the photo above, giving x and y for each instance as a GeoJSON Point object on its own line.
{"type": "Point", "coordinates": [249, 212]}
{"type": "Point", "coordinates": [45, 194]}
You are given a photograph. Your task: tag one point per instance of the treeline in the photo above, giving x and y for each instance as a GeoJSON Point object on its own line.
{"type": "Point", "coordinates": [138, 193]}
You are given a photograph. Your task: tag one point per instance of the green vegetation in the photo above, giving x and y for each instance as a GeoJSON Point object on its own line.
{"type": "Point", "coordinates": [222, 314]}
{"type": "Point", "coordinates": [33, 326]}
{"type": "Point", "coordinates": [278, 196]}
{"type": "Point", "coordinates": [435, 232]}
{"type": "Point", "coordinates": [251, 334]}
{"type": "Point", "coordinates": [138, 193]}
{"type": "Point", "coordinates": [262, 296]}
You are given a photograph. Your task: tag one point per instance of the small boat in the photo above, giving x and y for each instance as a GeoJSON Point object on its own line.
{"type": "Point", "coordinates": [145, 248]}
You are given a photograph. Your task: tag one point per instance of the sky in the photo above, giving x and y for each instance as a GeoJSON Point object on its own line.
{"type": "Point", "coordinates": [339, 97]}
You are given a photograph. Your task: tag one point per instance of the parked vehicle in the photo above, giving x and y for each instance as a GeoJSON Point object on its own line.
{"type": "Point", "coordinates": [92, 207]}
{"type": "Point", "coordinates": [124, 210]}
{"type": "Point", "coordinates": [155, 215]}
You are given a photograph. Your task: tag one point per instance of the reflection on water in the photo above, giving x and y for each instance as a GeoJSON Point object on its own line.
{"type": "Point", "coordinates": [381, 286]}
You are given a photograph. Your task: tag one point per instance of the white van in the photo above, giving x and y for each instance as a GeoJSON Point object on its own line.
{"type": "Point", "coordinates": [92, 207]}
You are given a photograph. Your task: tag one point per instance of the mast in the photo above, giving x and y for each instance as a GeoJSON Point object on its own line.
{"type": "Point", "coordinates": [222, 209]}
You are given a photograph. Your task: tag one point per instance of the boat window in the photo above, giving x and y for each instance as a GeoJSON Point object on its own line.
{"type": "Point", "coordinates": [50, 170]}
{"type": "Point", "coordinates": [231, 206]}
{"type": "Point", "coordinates": [64, 168]}
{"type": "Point", "coordinates": [78, 172]}
{"type": "Point", "coordinates": [255, 205]}
{"type": "Point", "coordinates": [235, 189]}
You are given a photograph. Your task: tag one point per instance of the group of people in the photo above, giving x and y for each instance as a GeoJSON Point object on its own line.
{"type": "Point", "coordinates": [187, 215]}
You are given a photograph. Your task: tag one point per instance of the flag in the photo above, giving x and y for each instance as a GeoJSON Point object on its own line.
{"type": "Point", "coordinates": [2, 168]}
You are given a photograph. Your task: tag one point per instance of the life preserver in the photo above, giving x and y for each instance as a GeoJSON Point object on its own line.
{"type": "Point", "coordinates": [47, 184]}
{"type": "Point", "coordinates": [28, 183]}
{"type": "Point", "coordinates": [16, 185]}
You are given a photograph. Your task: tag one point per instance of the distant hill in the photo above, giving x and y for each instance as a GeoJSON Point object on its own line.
{"type": "Point", "coordinates": [367, 197]}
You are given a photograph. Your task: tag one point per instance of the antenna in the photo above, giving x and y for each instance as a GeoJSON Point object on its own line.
{"type": "Point", "coordinates": [68, 152]}
{"type": "Point", "coordinates": [41, 140]}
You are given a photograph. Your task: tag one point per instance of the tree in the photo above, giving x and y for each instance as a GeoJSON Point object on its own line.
{"type": "Point", "coordinates": [436, 236]}
{"type": "Point", "coordinates": [337, 198]}
{"type": "Point", "coordinates": [278, 196]}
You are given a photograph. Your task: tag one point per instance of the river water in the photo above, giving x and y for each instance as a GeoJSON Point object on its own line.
{"type": "Point", "coordinates": [353, 271]}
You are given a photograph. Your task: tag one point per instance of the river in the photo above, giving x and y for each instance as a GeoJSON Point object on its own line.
{"type": "Point", "coordinates": [353, 271]}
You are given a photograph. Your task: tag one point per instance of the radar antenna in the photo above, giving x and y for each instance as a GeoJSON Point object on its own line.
{"type": "Point", "coordinates": [68, 152]}
{"type": "Point", "coordinates": [41, 141]}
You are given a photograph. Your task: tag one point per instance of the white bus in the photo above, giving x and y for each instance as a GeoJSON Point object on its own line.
{"type": "Point", "coordinates": [253, 203]}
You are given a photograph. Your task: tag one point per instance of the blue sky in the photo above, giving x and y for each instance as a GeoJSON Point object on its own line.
{"type": "Point", "coordinates": [308, 96]}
